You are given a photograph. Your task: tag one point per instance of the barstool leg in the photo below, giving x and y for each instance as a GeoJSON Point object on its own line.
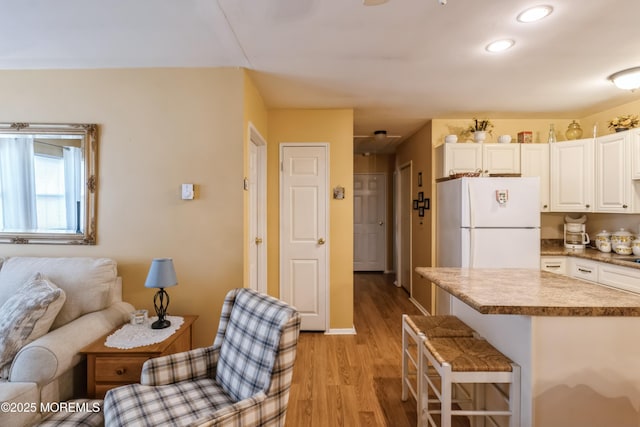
{"type": "Point", "coordinates": [515, 396]}
{"type": "Point", "coordinates": [405, 361]}
{"type": "Point", "coordinates": [445, 390]}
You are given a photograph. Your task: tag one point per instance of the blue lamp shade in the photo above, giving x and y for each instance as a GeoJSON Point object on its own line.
{"type": "Point", "coordinates": [161, 274]}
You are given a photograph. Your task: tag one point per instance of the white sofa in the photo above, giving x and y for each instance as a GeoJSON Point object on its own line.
{"type": "Point", "coordinates": [50, 368]}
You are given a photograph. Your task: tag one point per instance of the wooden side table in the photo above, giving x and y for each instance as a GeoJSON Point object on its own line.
{"type": "Point", "coordinates": [109, 367]}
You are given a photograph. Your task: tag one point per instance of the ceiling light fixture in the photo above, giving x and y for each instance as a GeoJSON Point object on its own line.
{"type": "Point", "coordinates": [499, 45]}
{"type": "Point", "coordinates": [373, 2]}
{"type": "Point", "coordinates": [380, 135]}
{"type": "Point", "coordinates": [627, 79]}
{"type": "Point", "coordinates": [534, 14]}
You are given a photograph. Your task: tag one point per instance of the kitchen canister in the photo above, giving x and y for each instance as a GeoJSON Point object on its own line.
{"type": "Point", "coordinates": [621, 238]}
{"type": "Point", "coordinates": [603, 237]}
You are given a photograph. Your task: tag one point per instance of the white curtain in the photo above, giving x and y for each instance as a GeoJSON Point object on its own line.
{"type": "Point", "coordinates": [17, 183]}
{"type": "Point", "coordinates": [72, 187]}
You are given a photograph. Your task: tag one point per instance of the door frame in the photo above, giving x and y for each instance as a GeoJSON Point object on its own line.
{"type": "Point", "coordinates": [327, 270]}
{"type": "Point", "coordinates": [383, 175]}
{"type": "Point", "coordinates": [399, 211]}
{"type": "Point", "coordinates": [257, 140]}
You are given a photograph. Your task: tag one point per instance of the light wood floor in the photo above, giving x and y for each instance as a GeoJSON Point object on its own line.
{"type": "Point", "coordinates": [354, 380]}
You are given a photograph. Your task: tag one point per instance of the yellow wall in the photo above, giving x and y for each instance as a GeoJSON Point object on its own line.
{"type": "Point", "coordinates": [159, 128]}
{"type": "Point", "coordinates": [601, 119]}
{"type": "Point", "coordinates": [334, 127]}
{"type": "Point", "coordinates": [255, 113]}
{"type": "Point", "coordinates": [381, 163]}
{"type": "Point", "coordinates": [417, 148]}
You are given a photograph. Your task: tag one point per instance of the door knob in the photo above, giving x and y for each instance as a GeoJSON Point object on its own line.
{"type": "Point", "coordinates": [321, 241]}
{"type": "Point", "coordinates": [380, 223]}
{"type": "Point", "coordinates": [258, 240]}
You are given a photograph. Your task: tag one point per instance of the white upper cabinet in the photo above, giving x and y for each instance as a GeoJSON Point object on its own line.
{"type": "Point", "coordinates": [635, 153]}
{"type": "Point", "coordinates": [571, 173]}
{"type": "Point", "coordinates": [472, 157]}
{"type": "Point", "coordinates": [534, 161]}
{"type": "Point", "coordinates": [613, 173]}
{"type": "Point", "coordinates": [501, 158]}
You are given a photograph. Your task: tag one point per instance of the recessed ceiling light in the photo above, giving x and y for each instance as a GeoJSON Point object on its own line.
{"type": "Point", "coordinates": [535, 13]}
{"type": "Point", "coordinates": [499, 45]}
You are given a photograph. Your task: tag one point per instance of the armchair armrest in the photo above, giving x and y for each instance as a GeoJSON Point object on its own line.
{"type": "Point", "coordinates": [188, 365]}
{"type": "Point", "coordinates": [243, 412]}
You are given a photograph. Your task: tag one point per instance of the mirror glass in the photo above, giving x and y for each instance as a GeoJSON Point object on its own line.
{"type": "Point", "coordinates": [48, 183]}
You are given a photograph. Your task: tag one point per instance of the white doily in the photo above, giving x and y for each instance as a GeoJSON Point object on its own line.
{"type": "Point", "coordinates": [131, 336]}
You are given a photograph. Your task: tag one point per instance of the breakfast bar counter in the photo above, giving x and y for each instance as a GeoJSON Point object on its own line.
{"type": "Point", "coordinates": [501, 291]}
{"type": "Point", "coordinates": [578, 343]}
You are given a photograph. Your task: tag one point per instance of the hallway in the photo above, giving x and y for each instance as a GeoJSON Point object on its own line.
{"type": "Point", "coordinates": [354, 380]}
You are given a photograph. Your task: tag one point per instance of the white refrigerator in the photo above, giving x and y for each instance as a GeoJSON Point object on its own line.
{"type": "Point", "coordinates": [488, 223]}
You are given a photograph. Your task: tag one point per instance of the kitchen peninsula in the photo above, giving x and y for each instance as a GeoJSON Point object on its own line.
{"type": "Point", "coordinates": [578, 343]}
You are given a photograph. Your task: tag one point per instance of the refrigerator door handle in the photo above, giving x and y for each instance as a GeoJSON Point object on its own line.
{"type": "Point", "coordinates": [472, 224]}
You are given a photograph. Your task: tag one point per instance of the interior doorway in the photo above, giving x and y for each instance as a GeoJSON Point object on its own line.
{"type": "Point", "coordinates": [257, 189]}
{"type": "Point", "coordinates": [304, 229]}
{"type": "Point", "coordinates": [369, 221]}
{"type": "Point", "coordinates": [403, 212]}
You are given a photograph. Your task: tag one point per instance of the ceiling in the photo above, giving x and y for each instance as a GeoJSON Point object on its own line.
{"type": "Point", "coordinates": [397, 65]}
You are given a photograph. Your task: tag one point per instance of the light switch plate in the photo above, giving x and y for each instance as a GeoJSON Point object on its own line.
{"type": "Point", "coordinates": [187, 191]}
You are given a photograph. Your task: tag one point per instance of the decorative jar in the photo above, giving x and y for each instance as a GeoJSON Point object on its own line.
{"type": "Point", "coordinates": [574, 131]}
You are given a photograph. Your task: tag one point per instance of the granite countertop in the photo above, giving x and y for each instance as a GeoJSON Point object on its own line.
{"type": "Point", "coordinates": [531, 292]}
{"type": "Point", "coordinates": [554, 247]}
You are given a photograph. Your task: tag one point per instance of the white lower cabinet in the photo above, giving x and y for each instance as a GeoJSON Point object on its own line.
{"type": "Point", "coordinates": [554, 264]}
{"type": "Point", "coordinates": [583, 269]}
{"type": "Point", "coordinates": [619, 277]}
{"type": "Point", "coordinates": [603, 273]}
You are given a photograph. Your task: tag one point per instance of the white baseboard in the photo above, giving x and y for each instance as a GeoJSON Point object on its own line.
{"type": "Point", "coordinates": [345, 331]}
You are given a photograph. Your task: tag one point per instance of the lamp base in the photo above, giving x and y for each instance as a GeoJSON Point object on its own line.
{"type": "Point", "coordinates": [160, 324]}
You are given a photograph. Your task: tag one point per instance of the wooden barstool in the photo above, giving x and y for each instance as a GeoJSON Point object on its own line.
{"type": "Point", "coordinates": [459, 361]}
{"type": "Point", "coordinates": [417, 328]}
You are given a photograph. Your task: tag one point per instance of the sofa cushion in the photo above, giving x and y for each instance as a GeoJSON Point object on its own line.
{"type": "Point", "coordinates": [87, 282]}
{"type": "Point", "coordinates": [26, 315]}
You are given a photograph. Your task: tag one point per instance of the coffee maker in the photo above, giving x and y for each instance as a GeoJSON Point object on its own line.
{"type": "Point", "coordinates": [575, 235]}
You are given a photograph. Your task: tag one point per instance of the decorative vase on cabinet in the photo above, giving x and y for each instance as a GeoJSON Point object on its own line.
{"type": "Point", "coordinates": [479, 136]}
{"type": "Point", "coordinates": [574, 131]}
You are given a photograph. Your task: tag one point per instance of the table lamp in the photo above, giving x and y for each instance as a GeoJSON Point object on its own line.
{"type": "Point", "coordinates": [161, 275]}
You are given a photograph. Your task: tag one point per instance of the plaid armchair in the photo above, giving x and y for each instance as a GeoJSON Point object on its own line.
{"type": "Point", "coordinates": [242, 380]}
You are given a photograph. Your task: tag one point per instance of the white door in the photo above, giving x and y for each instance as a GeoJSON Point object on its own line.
{"type": "Point", "coordinates": [369, 222]}
{"type": "Point", "coordinates": [405, 208]}
{"type": "Point", "coordinates": [257, 211]}
{"type": "Point", "coordinates": [304, 232]}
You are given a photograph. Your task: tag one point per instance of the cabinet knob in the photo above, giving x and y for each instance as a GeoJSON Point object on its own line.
{"type": "Point", "coordinates": [588, 206]}
{"type": "Point", "coordinates": [625, 206]}
{"type": "Point", "coordinates": [121, 371]}
{"type": "Point", "coordinates": [545, 206]}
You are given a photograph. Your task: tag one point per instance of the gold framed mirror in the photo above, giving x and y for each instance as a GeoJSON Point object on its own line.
{"type": "Point", "coordinates": [48, 183]}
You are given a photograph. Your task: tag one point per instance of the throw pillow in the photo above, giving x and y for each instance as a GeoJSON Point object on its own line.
{"type": "Point", "coordinates": [27, 315]}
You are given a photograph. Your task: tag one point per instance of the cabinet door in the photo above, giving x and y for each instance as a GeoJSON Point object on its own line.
{"type": "Point", "coordinates": [534, 161]}
{"type": "Point", "coordinates": [583, 269]}
{"type": "Point", "coordinates": [501, 158]}
{"type": "Point", "coordinates": [635, 153]}
{"type": "Point", "coordinates": [459, 158]}
{"type": "Point", "coordinates": [554, 264]}
{"type": "Point", "coordinates": [613, 176]}
{"type": "Point", "coordinates": [571, 175]}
